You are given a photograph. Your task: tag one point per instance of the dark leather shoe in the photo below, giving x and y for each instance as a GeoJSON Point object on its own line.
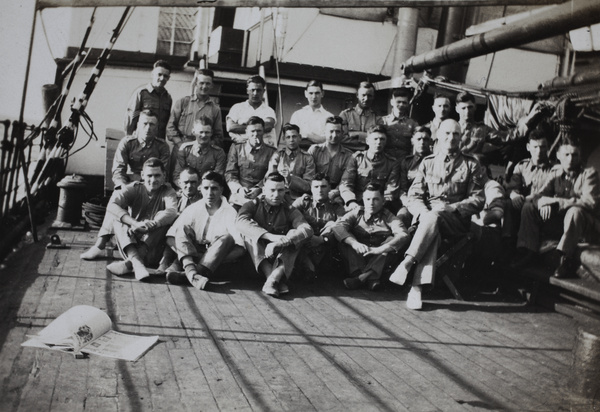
{"type": "Point", "coordinates": [177, 278]}
{"type": "Point", "coordinates": [374, 285]}
{"type": "Point", "coordinates": [567, 268]}
{"type": "Point", "coordinates": [353, 283]}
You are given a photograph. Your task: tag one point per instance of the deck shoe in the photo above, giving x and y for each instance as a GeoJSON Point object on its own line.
{"type": "Point", "coordinates": [374, 285]}
{"type": "Point", "coordinates": [401, 273]}
{"type": "Point", "coordinates": [120, 267]}
{"type": "Point", "coordinates": [140, 271]}
{"type": "Point", "coordinates": [567, 268]}
{"type": "Point", "coordinates": [197, 280]}
{"type": "Point", "coordinates": [92, 253]}
{"type": "Point", "coordinates": [353, 283]}
{"type": "Point", "coordinates": [413, 300]}
{"type": "Point", "coordinates": [271, 287]}
{"type": "Point", "coordinates": [177, 278]}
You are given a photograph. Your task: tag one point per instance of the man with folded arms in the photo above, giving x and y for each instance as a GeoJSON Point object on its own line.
{"type": "Point", "coordinates": [141, 215]}
{"type": "Point", "coordinates": [445, 194]}
{"type": "Point", "coordinates": [273, 233]}
{"type": "Point", "coordinates": [204, 236]}
{"type": "Point", "coordinates": [370, 239]}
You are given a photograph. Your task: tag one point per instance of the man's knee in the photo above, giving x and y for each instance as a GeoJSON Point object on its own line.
{"type": "Point", "coordinates": [225, 240]}
{"type": "Point", "coordinates": [430, 218]}
{"type": "Point", "coordinates": [575, 215]}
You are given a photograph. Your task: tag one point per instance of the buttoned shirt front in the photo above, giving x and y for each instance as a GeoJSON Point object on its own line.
{"type": "Point", "coordinates": [258, 217]}
{"type": "Point", "coordinates": [528, 178]}
{"type": "Point", "coordinates": [311, 121]}
{"type": "Point", "coordinates": [332, 166]}
{"type": "Point", "coordinates": [357, 119]}
{"type": "Point", "coordinates": [409, 167]}
{"type": "Point", "coordinates": [148, 98]}
{"type": "Point", "coordinates": [578, 188]}
{"type": "Point", "coordinates": [186, 111]}
{"type": "Point", "coordinates": [366, 168]}
{"type": "Point", "coordinates": [133, 152]}
{"type": "Point", "coordinates": [442, 180]}
{"type": "Point", "coordinates": [373, 230]}
{"type": "Point", "coordinates": [202, 160]}
{"type": "Point", "coordinates": [135, 200]}
{"type": "Point", "coordinates": [196, 227]}
{"type": "Point", "coordinates": [241, 112]}
{"type": "Point", "coordinates": [301, 168]}
{"type": "Point", "coordinates": [399, 133]}
{"type": "Point", "coordinates": [247, 166]}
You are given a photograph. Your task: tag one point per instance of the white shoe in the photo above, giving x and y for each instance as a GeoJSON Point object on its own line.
{"type": "Point", "coordinates": [120, 267]}
{"type": "Point", "coordinates": [413, 300]}
{"type": "Point", "coordinates": [141, 272]}
{"type": "Point", "coordinates": [401, 273]}
{"type": "Point", "coordinates": [92, 253]}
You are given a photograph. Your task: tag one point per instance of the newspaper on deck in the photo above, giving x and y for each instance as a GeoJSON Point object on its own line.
{"type": "Point", "coordinates": [86, 329]}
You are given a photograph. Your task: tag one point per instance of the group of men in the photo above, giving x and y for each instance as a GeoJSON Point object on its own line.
{"type": "Point", "coordinates": [386, 207]}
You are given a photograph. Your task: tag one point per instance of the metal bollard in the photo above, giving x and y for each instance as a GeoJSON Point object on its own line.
{"type": "Point", "coordinates": [70, 201]}
{"type": "Point", "coordinates": [585, 369]}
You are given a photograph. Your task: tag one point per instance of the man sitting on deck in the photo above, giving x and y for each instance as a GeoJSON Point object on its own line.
{"type": "Point", "coordinates": [370, 239]}
{"type": "Point", "coordinates": [445, 194]}
{"type": "Point", "coordinates": [141, 215]}
{"type": "Point", "coordinates": [204, 235]}
{"type": "Point", "coordinates": [201, 154]}
{"type": "Point", "coordinates": [321, 214]}
{"type": "Point", "coordinates": [247, 164]}
{"type": "Point", "coordinates": [567, 204]}
{"type": "Point", "coordinates": [273, 233]}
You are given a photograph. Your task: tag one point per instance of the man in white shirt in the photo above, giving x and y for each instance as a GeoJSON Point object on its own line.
{"type": "Point", "coordinates": [204, 236]}
{"type": "Point", "coordinates": [255, 106]}
{"type": "Point", "coordinates": [311, 118]}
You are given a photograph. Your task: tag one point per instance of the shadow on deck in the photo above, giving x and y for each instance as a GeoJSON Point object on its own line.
{"type": "Point", "coordinates": [320, 348]}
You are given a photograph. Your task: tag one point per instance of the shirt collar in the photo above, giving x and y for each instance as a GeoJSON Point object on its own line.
{"type": "Point", "coordinates": [250, 149]}
{"type": "Point", "coordinates": [144, 144]}
{"type": "Point", "coordinates": [374, 217]}
{"type": "Point", "coordinates": [291, 153]}
{"type": "Point", "coordinates": [195, 98]}
{"type": "Point", "coordinates": [198, 150]}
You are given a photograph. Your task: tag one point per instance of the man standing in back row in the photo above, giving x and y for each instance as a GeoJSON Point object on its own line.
{"type": "Point", "coordinates": [153, 97]}
{"type": "Point", "coordinates": [312, 117]}
{"type": "Point", "coordinates": [255, 106]}
{"type": "Point", "coordinates": [360, 118]}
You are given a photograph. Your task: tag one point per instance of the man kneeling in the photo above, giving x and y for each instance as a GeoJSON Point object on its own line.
{"type": "Point", "coordinates": [204, 236]}
{"type": "Point", "coordinates": [273, 233]}
{"type": "Point", "coordinates": [141, 215]}
{"type": "Point", "coordinates": [370, 239]}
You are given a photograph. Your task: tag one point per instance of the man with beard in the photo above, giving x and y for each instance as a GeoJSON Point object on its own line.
{"type": "Point", "coordinates": [360, 118]}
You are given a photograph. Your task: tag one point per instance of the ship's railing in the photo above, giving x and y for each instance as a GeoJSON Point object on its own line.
{"type": "Point", "coordinates": [18, 160]}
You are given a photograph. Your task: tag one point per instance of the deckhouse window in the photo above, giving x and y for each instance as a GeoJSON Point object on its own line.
{"type": "Point", "coordinates": [176, 27]}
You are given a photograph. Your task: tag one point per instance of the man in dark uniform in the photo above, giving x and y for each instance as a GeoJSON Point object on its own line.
{"type": "Point", "coordinates": [293, 163]}
{"type": "Point", "coordinates": [360, 118]}
{"type": "Point", "coordinates": [370, 239]}
{"type": "Point", "coordinates": [134, 150]}
{"type": "Point", "coordinates": [247, 164]}
{"type": "Point", "coordinates": [321, 214]}
{"type": "Point", "coordinates": [153, 97]}
{"type": "Point", "coordinates": [445, 194]}
{"type": "Point", "coordinates": [409, 167]}
{"type": "Point", "coordinates": [331, 158]}
{"type": "Point", "coordinates": [201, 154]}
{"type": "Point", "coordinates": [371, 165]}
{"type": "Point", "coordinates": [400, 127]}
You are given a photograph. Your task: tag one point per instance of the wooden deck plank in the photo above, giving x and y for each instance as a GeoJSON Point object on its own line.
{"type": "Point", "coordinates": [320, 348]}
